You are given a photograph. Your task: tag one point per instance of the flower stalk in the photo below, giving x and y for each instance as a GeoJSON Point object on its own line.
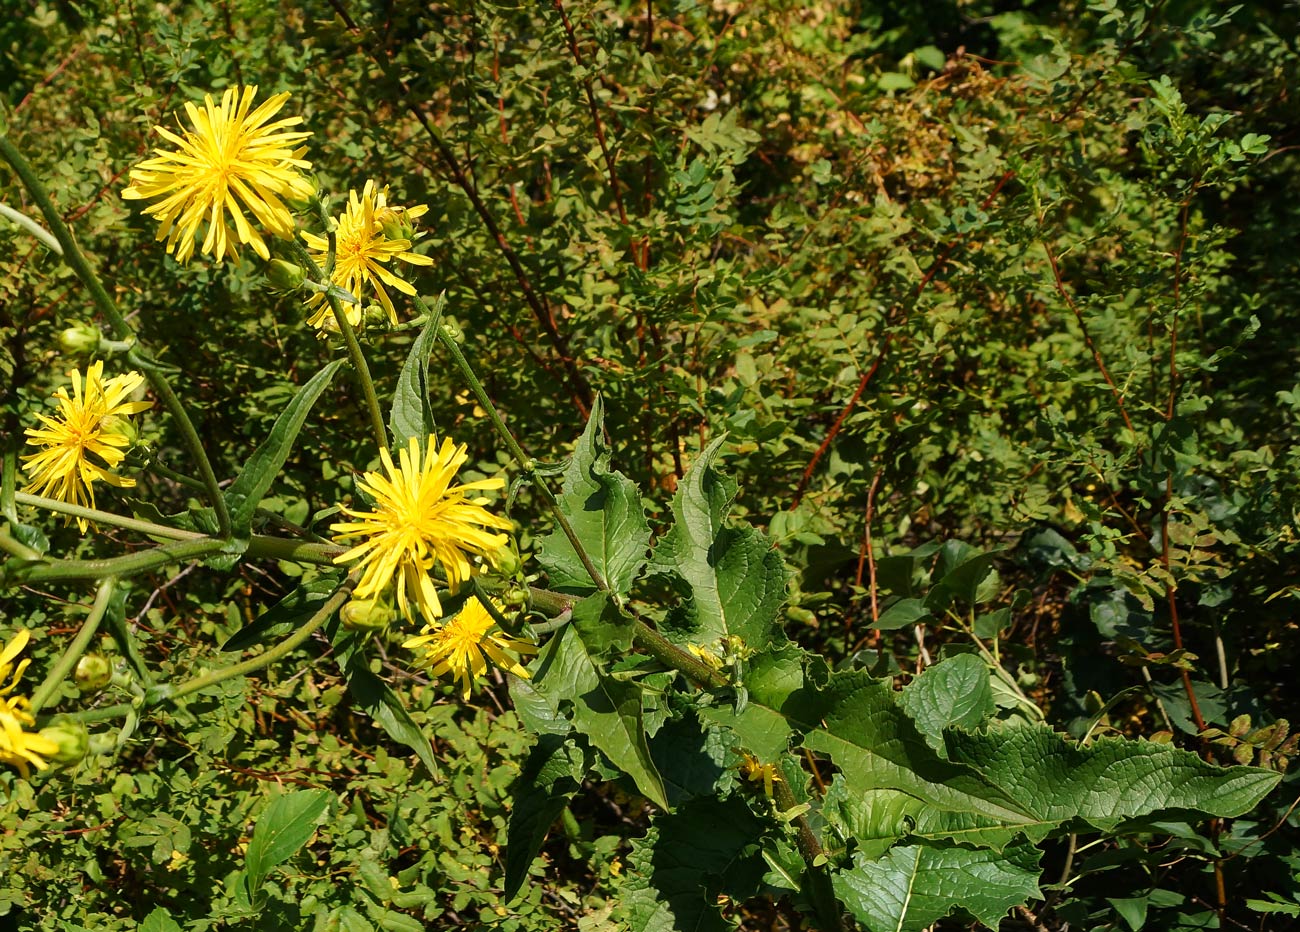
{"type": "Point", "coordinates": [77, 261]}
{"type": "Point", "coordinates": [63, 666]}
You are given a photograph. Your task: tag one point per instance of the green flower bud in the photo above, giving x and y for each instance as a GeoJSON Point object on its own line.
{"type": "Point", "coordinates": [81, 339]}
{"type": "Point", "coordinates": [375, 316]}
{"type": "Point", "coordinates": [93, 673]}
{"type": "Point", "coordinates": [395, 224]}
{"type": "Point", "coordinates": [507, 561]}
{"type": "Point", "coordinates": [285, 276]}
{"type": "Point", "coordinates": [72, 741]}
{"type": "Point", "coordinates": [302, 203]}
{"type": "Point", "coordinates": [123, 427]}
{"type": "Point", "coordinates": [367, 615]}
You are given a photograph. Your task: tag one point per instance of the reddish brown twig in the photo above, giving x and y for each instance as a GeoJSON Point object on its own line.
{"type": "Point", "coordinates": [1087, 339]}
{"type": "Point", "coordinates": [867, 557]}
{"type": "Point", "coordinates": [884, 347]}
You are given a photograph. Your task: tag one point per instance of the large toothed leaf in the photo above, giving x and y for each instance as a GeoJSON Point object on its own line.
{"type": "Point", "coordinates": [731, 581]}
{"type": "Point", "coordinates": [953, 693]}
{"type": "Point", "coordinates": [913, 886]}
{"type": "Point", "coordinates": [549, 779]}
{"type": "Point", "coordinates": [607, 710]}
{"type": "Point", "coordinates": [604, 509]}
{"type": "Point", "coordinates": [689, 857]}
{"type": "Point", "coordinates": [255, 479]}
{"type": "Point", "coordinates": [780, 704]}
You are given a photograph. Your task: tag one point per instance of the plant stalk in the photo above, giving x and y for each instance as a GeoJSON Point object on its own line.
{"type": "Point", "coordinates": [63, 666]}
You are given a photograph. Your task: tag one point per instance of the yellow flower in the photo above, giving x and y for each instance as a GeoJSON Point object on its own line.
{"type": "Point", "coordinates": [230, 158]}
{"type": "Point", "coordinates": [464, 645]}
{"type": "Point", "coordinates": [90, 422]}
{"type": "Point", "coordinates": [420, 518]}
{"type": "Point", "coordinates": [755, 771]}
{"type": "Point", "coordinates": [362, 245]}
{"type": "Point", "coordinates": [19, 747]}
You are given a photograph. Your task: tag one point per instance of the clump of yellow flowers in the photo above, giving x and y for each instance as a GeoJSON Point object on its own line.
{"type": "Point", "coordinates": [19, 747]}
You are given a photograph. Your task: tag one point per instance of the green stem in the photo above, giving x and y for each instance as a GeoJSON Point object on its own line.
{"type": "Point", "coordinates": [132, 564]}
{"type": "Point", "coordinates": [7, 480]}
{"type": "Point", "coordinates": [32, 227]}
{"type": "Point", "coordinates": [159, 469]}
{"type": "Point", "coordinates": [77, 261]}
{"type": "Point", "coordinates": [669, 654]}
{"type": "Point", "coordinates": [446, 338]}
{"type": "Point", "coordinates": [278, 548]}
{"type": "Point", "coordinates": [164, 693]}
{"type": "Point", "coordinates": [59, 672]}
{"type": "Point", "coordinates": [355, 354]}
{"type": "Point", "coordinates": [106, 517]}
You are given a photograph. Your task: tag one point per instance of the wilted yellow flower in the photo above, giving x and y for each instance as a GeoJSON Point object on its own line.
{"type": "Point", "coordinates": [755, 771]}
{"type": "Point", "coordinates": [88, 424]}
{"type": "Point", "coordinates": [232, 158]}
{"type": "Point", "coordinates": [464, 645]}
{"type": "Point", "coordinates": [420, 519]}
{"type": "Point", "coordinates": [363, 242]}
{"type": "Point", "coordinates": [18, 747]}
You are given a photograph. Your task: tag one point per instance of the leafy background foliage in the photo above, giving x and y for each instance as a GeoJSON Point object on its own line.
{"type": "Point", "coordinates": [904, 275]}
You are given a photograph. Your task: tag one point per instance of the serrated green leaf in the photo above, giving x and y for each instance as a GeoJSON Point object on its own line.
{"type": "Point", "coordinates": [953, 693]}
{"type": "Point", "coordinates": [385, 707]}
{"type": "Point", "coordinates": [677, 871]}
{"type": "Point", "coordinates": [606, 710]}
{"type": "Point", "coordinates": [604, 509]}
{"type": "Point", "coordinates": [877, 746]}
{"type": "Point", "coordinates": [286, 824]}
{"type": "Point", "coordinates": [731, 580]}
{"type": "Point", "coordinates": [266, 461]}
{"type": "Point", "coordinates": [914, 886]}
{"type": "Point", "coordinates": [411, 414]}
{"type": "Point", "coordinates": [281, 619]}
{"type": "Point", "coordinates": [551, 775]}
{"type": "Point", "coordinates": [1108, 781]}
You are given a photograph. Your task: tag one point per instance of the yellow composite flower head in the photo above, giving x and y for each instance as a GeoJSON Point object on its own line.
{"type": "Point", "coordinates": [233, 166]}
{"type": "Point", "coordinates": [19, 747]}
{"type": "Point", "coordinates": [464, 645]}
{"type": "Point", "coordinates": [420, 519]}
{"type": "Point", "coordinates": [367, 238]}
{"type": "Point", "coordinates": [85, 440]}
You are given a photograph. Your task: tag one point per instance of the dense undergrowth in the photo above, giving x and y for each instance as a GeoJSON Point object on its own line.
{"type": "Point", "coordinates": [988, 307]}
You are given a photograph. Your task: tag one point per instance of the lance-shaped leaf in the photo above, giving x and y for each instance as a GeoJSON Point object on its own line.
{"type": "Point", "coordinates": [731, 580]}
{"type": "Point", "coordinates": [286, 824]}
{"type": "Point", "coordinates": [604, 509]}
{"type": "Point", "coordinates": [264, 465]}
{"type": "Point", "coordinates": [411, 414]}
{"type": "Point", "coordinates": [552, 774]}
{"type": "Point", "coordinates": [281, 619]}
{"type": "Point", "coordinates": [686, 860]}
{"type": "Point", "coordinates": [913, 886]}
{"type": "Point", "coordinates": [607, 710]}
{"type": "Point", "coordinates": [385, 707]}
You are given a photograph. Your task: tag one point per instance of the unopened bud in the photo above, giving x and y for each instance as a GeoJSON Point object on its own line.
{"type": "Point", "coordinates": [303, 201]}
{"type": "Point", "coordinates": [81, 339]}
{"type": "Point", "coordinates": [367, 615]}
{"type": "Point", "coordinates": [285, 276]}
{"type": "Point", "coordinates": [71, 739]}
{"type": "Point", "coordinates": [375, 316]}
{"type": "Point", "coordinates": [507, 561]}
{"type": "Point", "coordinates": [395, 223]}
{"type": "Point", "coordinates": [123, 427]}
{"type": "Point", "coordinates": [93, 673]}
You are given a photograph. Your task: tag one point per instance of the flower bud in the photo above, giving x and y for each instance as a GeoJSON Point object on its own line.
{"type": "Point", "coordinates": [375, 316]}
{"type": "Point", "coordinates": [395, 223]}
{"type": "Point", "coordinates": [507, 561]}
{"type": "Point", "coordinates": [367, 615]}
{"type": "Point", "coordinates": [93, 673]}
{"type": "Point", "coordinates": [71, 739]}
{"type": "Point", "coordinates": [285, 276]}
{"type": "Point", "coordinates": [81, 339]}
{"type": "Point", "coordinates": [123, 427]}
{"type": "Point", "coordinates": [303, 202]}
